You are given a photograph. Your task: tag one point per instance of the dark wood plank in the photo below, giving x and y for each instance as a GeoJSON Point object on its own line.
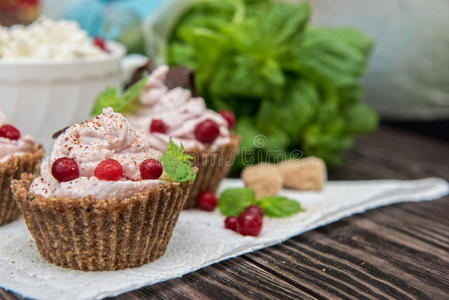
{"type": "Point", "coordinates": [393, 153]}
{"type": "Point", "coordinates": [395, 252]}
{"type": "Point", "coordinates": [7, 295]}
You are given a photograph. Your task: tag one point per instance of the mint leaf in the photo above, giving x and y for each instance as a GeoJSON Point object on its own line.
{"type": "Point", "coordinates": [123, 104]}
{"type": "Point", "coordinates": [106, 98]}
{"type": "Point", "coordinates": [233, 201]}
{"type": "Point", "coordinates": [177, 164]}
{"type": "Point", "coordinates": [129, 100]}
{"type": "Point", "coordinates": [273, 73]}
{"type": "Point", "coordinates": [281, 22]}
{"type": "Point", "coordinates": [335, 57]}
{"type": "Point", "coordinates": [279, 206]}
{"type": "Point", "coordinates": [175, 170]}
{"type": "Point", "coordinates": [360, 118]}
{"type": "Point", "coordinates": [173, 150]}
{"type": "Point", "coordinates": [301, 99]}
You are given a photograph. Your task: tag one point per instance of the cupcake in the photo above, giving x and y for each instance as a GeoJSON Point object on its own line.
{"type": "Point", "coordinates": [174, 114]}
{"type": "Point", "coordinates": [105, 200]}
{"type": "Point", "coordinates": [18, 154]}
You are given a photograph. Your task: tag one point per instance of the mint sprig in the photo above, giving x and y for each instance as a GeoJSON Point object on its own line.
{"type": "Point", "coordinates": [279, 206]}
{"type": "Point", "coordinates": [232, 202]}
{"type": "Point", "coordinates": [177, 164]}
{"type": "Point", "coordinates": [127, 102]}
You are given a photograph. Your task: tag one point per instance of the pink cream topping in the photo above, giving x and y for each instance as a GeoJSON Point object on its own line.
{"type": "Point", "coordinates": [11, 147]}
{"type": "Point", "coordinates": [108, 136]}
{"type": "Point", "coordinates": [179, 112]}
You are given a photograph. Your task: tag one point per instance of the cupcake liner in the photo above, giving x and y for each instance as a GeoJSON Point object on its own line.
{"type": "Point", "coordinates": [90, 234]}
{"type": "Point", "coordinates": [213, 166]}
{"type": "Point", "coordinates": [13, 169]}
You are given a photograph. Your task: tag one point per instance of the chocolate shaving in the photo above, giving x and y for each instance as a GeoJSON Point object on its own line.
{"type": "Point", "coordinates": [141, 72]}
{"type": "Point", "coordinates": [59, 132]}
{"type": "Point", "coordinates": [179, 76]}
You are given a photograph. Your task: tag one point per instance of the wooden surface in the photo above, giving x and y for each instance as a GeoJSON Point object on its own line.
{"type": "Point", "coordinates": [400, 251]}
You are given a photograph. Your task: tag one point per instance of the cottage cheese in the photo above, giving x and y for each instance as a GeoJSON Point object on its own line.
{"type": "Point", "coordinates": [47, 40]}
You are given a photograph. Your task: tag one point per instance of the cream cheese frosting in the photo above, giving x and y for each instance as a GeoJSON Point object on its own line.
{"type": "Point", "coordinates": [47, 40]}
{"type": "Point", "coordinates": [106, 136]}
{"type": "Point", "coordinates": [178, 110]}
{"type": "Point", "coordinates": [9, 148]}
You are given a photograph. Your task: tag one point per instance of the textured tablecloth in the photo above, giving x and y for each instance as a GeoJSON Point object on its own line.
{"type": "Point", "coordinates": [199, 240]}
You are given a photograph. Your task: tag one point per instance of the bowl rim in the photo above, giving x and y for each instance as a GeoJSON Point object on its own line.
{"type": "Point", "coordinates": [117, 52]}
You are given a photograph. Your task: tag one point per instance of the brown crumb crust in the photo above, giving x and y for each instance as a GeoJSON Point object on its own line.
{"type": "Point", "coordinates": [90, 234]}
{"type": "Point", "coordinates": [13, 169]}
{"type": "Point", "coordinates": [213, 166]}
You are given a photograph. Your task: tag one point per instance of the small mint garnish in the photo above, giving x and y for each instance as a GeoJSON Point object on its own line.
{"type": "Point", "coordinates": [235, 200]}
{"type": "Point", "coordinates": [177, 164]}
{"type": "Point", "coordinates": [127, 102]}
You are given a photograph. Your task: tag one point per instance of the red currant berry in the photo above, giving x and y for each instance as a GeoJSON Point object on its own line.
{"type": "Point", "coordinates": [231, 223]}
{"type": "Point", "coordinates": [158, 126]}
{"type": "Point", "coordinates": [207, 201]}
{"type": "Point", "coordinates": [100, 43]}
{"type": "Point", "coordinates": [9, 132]}
{"type": "Point", "coordinates": [151, 169]}
{"type": "Point", "coordinates": [229, 117]}
{"type": "Point", "coordinates": [254, 210]}
{"type": "Point", "coordinates": [109, 169]}
{"type": "Point", "coordinates": [65, 169]}
{"type": "Point", "coordinates": [249, 224]}
{"type": "Point", "coordinates": [207, 131]}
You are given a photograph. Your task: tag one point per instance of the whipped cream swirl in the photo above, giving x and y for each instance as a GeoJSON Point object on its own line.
{"type": "Point", "coordinates": [47, 40]}
{"type": "Point", "coordinates": [9, 148]}
{"type": "Point", "coordinates": [107, 136]}
{"type": "Point", "coordinates": [178, 110]}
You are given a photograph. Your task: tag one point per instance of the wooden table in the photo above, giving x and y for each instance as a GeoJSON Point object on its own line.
{"type": "Point", "coordinates": [400, 251]}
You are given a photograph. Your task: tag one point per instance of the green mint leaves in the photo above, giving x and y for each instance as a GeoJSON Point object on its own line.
{"type": "Point", "coordinates": [279, 206]}
{"type": "Point", "coordinates": [106, 98]}
{"type": "Point", "coordinates": [233, 201]}
{"type": "Point", "coordinates": [296, 84]}
{"type": "Point", "coordinates": [177, 164]}
{"type": "Point", "coordinates": [123, 104]}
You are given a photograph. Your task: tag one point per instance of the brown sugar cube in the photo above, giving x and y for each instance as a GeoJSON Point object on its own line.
{"type": "Point", "coordinates": [304, 174]}
{"type": "Point", "coordinates": [265, 179]}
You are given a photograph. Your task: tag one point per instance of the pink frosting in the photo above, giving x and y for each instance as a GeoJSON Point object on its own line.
{"type": "Point", "coordinates": [9, 148]}
{"type": "Point", "coordinates": [107, 136]}
{"type": "Point", "coordinates": [178, 110]}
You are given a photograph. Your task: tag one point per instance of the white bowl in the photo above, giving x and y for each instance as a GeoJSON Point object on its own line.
{"type": "Point", "coordinates": [40, 98]}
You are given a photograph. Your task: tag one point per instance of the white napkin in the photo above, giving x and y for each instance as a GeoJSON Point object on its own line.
{"type": "Point", "coordinates": [199, 240]}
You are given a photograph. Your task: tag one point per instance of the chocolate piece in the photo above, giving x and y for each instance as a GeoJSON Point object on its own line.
{"type": "Point", "coordinates": [179, 76]}
{"type": "Point", "coordinates": [141, 72]}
